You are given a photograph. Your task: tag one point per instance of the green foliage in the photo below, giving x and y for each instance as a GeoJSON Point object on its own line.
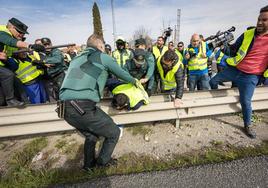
{"type": "Point", "coordinates": [97, 20]}
{"type": "Point", "coordinates": [23, 176]}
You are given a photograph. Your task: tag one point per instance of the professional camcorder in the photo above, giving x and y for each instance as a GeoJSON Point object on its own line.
{"type": "Point", "coordinates": [167, 33]}
{"type": "Point", "coordinates": [221, 38]}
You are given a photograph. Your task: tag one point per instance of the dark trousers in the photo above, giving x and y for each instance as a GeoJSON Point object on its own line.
{"type": "Point", "coordinates": [7, 82]}
{"type": "Point", "coordinates": [92, 124]}
{"type": "Point", "coordinates": [53, 85]}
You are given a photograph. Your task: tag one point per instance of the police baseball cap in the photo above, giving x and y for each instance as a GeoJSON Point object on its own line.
{"type": "Point", "coordinates": [21, 27]}
{"type": "Point", "coordinates": [45, 41]}
{"type": "Point", "coordinates": [108, 47]}
{"type": "Point", "coordinates": [139, 56]}
{"type": "Point", "coordinates": [140, 41]}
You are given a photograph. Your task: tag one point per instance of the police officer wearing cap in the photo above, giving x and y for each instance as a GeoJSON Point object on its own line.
{"type": "Point", "coordinates": [141, 66]}
{"type": "Point", "coordinates": [149, 57]}
{"type": "Point", "coordinates": [12, 38]}
{"type": "Point", "coordinates": [54, 62]}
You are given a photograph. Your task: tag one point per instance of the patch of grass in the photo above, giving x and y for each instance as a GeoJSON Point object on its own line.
{"type": "Point", "coordinates": [19, 165]}
{"type": "Point", "coordinates": [132, 163]}
{"type": "Point", "coordinates": [61, 143]}
{"type": "Point", "coordinates": [68, 147]}
{"type": "Point", "coordinates": [216, 142]}
{"type": "Point", "coordinates": [2, 145]}
{"type": "Point", "coordinates": [139, 130]}
{"type": "Point", "coordinates": [256, 118]}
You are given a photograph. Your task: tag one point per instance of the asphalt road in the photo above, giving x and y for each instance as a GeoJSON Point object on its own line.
{"type": "Point", "coordinates": [249, 172]}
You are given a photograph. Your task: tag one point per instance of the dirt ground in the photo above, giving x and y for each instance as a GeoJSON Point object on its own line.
{"type": "Point", "coordinates": [159, 140]}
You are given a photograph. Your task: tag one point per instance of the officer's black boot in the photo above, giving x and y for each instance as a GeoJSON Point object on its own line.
{"type": "Point", "coordinates": [14, 103]}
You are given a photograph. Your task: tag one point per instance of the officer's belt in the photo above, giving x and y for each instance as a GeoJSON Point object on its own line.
{"type": "Point", "coordinates": [80, 102]}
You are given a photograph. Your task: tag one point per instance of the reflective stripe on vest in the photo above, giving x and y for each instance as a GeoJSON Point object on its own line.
{"type": "Point", "coordinates": [157, 53]}
{"type": "Point", "coordinates": [26, 71]}
{"type": "Point", "coordinates": [218, 60]}
{"type": "Point", "coordinates": [265, 74]}
{"type": "Point", "coordinates": [134, 94]}
{"type": "Point", "coordinates": [198, 62]}
{"type": "Point", "coordinates": [242, 51]}
{"type": "Point", "coordinates": [179, 55]}
{"type": "Point", "coordinates": [7, 49]}
{"type": "Point", "coordinates": [121, 58]}
{"type": "Point", "coordinates": [169, 80]}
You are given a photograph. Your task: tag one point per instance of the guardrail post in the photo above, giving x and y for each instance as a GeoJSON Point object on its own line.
{"type": "Point", "coordinates": [177, 123]}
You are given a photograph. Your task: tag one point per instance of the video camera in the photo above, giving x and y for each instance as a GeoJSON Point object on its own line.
{"type": "Point", "coordinates": [221, 38]}
{"type": "Point", "coordinates": [167, 33]}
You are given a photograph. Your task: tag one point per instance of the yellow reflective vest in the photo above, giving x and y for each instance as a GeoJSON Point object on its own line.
{"type": "Point", "coordinates": [218, 60]}
{"type": "Point", "coordinates": [121, 58]}
{"type": "Point", "coordinates": [243, 49]}
{"type": "Point", "coordinates": [179, 55]}
{"type": "Point", "coordinates": [157, 53]}
{"type": "Point", "coordinates": [134, 94]}
{"type": "Point", "coordinates": [27, 72]}
{"type": "Point", "coordinates": [7, 49]}
{"type": "Point", "coordinates": [168, 81]}
{"type": "Point", "coordinates": [198, 62]}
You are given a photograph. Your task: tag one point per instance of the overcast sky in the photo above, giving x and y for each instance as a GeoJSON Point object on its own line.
{"type": "Point", "coordinates": [70, 21]}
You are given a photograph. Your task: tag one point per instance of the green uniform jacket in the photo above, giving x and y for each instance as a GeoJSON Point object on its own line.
{"type": "Point", "coordinates": [55, 57]}
{"type": "Point", "coordinates": [87, 75]}
{"type": "Point", "coordinates": [145, 71]}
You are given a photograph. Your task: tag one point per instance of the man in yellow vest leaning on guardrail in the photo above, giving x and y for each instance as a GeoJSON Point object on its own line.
{"type": "Point", "coordinates": [247, 64]}
{"type": "Point", "coordinates": [170, 72]}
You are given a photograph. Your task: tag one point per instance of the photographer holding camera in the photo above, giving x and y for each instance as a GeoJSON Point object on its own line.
{"type": "Point", "coordinates": [196, 57]}
{"type": "Point", "coordinates": [246, 65]}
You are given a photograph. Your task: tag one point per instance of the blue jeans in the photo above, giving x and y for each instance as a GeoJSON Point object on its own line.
{"type": "Point", "coordinates": [201, 80]}
{"type": "Point", "coordinates": [246, 84]}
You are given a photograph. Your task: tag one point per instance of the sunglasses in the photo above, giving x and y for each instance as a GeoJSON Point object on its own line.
{"type": "Point", "coordinates": [18, 31]}
{"type": "Point", "coordinates": [180, 46]}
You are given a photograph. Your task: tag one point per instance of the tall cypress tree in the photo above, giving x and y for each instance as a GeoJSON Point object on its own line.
{"type": "Point", "coordinates": [97, 20]}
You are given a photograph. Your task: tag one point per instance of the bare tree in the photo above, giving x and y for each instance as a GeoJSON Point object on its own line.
{"type": "Point", "coordinates": [142, 32]}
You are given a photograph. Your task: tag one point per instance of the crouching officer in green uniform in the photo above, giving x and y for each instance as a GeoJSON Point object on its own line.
{"type": "Point", "coordinates": [81, 90]}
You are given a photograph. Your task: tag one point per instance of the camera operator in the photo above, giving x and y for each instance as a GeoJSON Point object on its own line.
{"type": "Point", "coordinates": [196, 57]}
{"type": "Point", "coordinates": [247, 66]}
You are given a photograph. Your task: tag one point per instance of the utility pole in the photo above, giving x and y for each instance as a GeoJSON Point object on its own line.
{"type": "Point", "coordinates": [113, 18]}
{"type": "Point", "coordinates": [178, 25]}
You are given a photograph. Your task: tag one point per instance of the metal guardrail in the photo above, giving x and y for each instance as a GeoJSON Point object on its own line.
{"type": "Point", "coordinates": [42, 119]}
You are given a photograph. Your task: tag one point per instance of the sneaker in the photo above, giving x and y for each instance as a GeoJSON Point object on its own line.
{"type": "Point", "coordinates": [250, 132]}
{"type": "Point", "coordinates": [14, 103]}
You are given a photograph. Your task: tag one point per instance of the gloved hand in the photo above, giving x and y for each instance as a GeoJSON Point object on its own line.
{"type": "Point", "coordinates": [37, 47]}
{"type": "Point", "coordinates": [137, 84]}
